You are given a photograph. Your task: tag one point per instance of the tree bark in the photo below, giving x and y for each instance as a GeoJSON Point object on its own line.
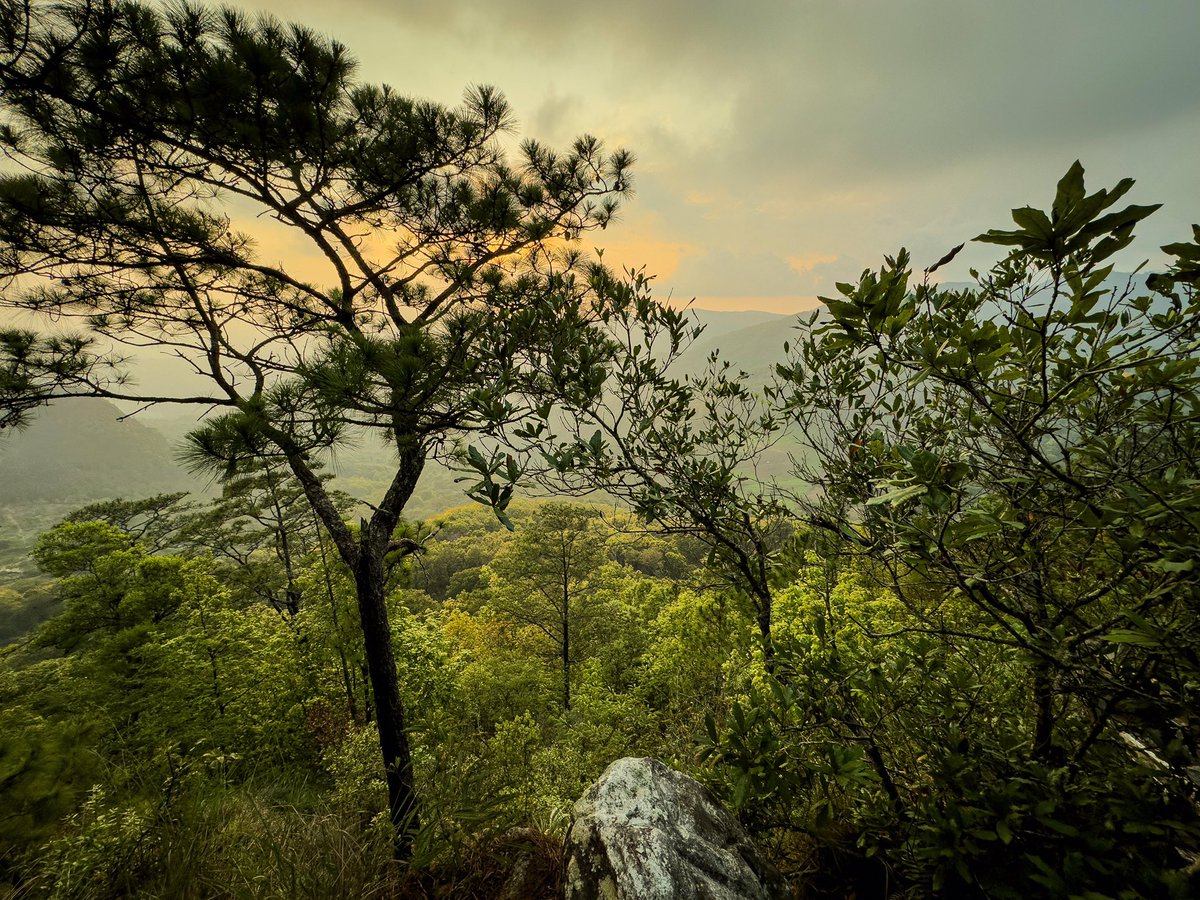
{"type": "Point", "coordinates": [389, 709]}
{"type": "Point", "coordinates": [365, 557]}
{"type": "Point", "coordinates": [763, 617]}
{"type": "Point", "coordinates": [370, 580]}
{"type": "Point", "coordinates": [1043, 690]}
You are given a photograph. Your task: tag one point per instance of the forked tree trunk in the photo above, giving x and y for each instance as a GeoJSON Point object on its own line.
{"type": "Point", "coordinates": [364, 554]}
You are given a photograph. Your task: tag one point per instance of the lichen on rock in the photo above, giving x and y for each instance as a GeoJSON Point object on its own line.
{"type": "Point", "coordinates": [646, 832]}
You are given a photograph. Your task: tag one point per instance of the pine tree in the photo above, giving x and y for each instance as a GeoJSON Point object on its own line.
{"type": "Point", "coordinates": [145, 134]}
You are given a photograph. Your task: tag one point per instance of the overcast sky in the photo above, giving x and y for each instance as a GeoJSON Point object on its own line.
{"type": "Point", "coordinates": [783, 146]}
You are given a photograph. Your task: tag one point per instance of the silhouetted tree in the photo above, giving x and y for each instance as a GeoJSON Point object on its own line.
{"type": "Point", "coordinates": [144, 135]}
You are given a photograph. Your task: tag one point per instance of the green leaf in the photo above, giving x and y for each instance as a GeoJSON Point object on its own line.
{"type": "Point", "coordinates": [1128, 636]}
{"type": "Point", "coordinates": [1033, 221]}
{"type": "Point", "coordinates": [1070, 191]}
{"type": "Point", "coordinates": [899, 495]}
{"type": "Point", "coordinates": [1174, 565]}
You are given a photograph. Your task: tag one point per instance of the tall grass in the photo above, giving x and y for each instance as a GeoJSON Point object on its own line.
{"type": "Point", "coordinates": [262, 839]}
{"type": "Point", "coordinates": [214, 840]}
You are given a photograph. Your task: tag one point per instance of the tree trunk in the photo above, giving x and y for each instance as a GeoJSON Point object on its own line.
{"type": "Point", "coordinates": [763, 615]}
{"type": "Point", "coordinates": [291, 594]}
{"type": "Point", "coordinates": [566, 622]}
{"type": "Point", "coordinates": [1043, 690]}
{"type": "Point", "coordinates": [369, 577]}
{"type": "Point", "coordinates": [566, 663]}
{"type": "Point", "coordinates": [365, 554]}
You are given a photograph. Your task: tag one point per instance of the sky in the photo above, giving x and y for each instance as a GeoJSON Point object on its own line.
{"type": "Point", "coordinates": [785, 146]}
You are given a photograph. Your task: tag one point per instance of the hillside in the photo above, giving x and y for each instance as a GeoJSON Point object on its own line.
{"type": "Point", "coordinates": [80, 452]}
{"type": "Point", "coordinates": [71, 455]}
{"type": "Point", "coordinates": [753, 348]}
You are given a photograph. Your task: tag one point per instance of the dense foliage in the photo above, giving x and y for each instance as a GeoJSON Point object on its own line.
{"type": "Point", "coordinates": [167, 701]}
{"type": "Point", "coordinates": [955, 652]}
{"type": "Point", "coordinates": [143, 134]}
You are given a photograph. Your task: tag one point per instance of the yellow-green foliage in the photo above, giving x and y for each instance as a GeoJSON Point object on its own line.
{"type": "Point", "coordinates": [824, 608]}
{"type": "Point", "coordinates": [147, 745]}
{"type": "Point", "coordinates": [234, 673]}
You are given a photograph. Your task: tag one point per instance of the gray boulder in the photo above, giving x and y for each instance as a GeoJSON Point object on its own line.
{"type": "Point", "coordinates": [646, 832]}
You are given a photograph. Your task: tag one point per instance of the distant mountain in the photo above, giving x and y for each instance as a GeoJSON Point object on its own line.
{"type": "Point", "coordinates": [78, 452]}
{"type": "Point", "coordinates": [73, 454]}
{"type": "Point", "coordinates": [363, 468]}
{"type": "Point", "coordinates": [754, 341]}
{"type": "Point", "coordinates": [719, 323]}
{"type": "Point", "coordinates": [753, 348]}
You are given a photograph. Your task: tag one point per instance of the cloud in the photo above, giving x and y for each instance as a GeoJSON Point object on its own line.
{"type": "Point", "coordinates": [794, 129]}
{"type": "Point", "coordinates": [724, 272]}
{"type": "Point", "coordinates": [864, 87]}
{"type": "Point", "coordinates": [804, 264]}
{"type": "Point", "coordinates": [880, 90]}
{"type": "Point", "coordinates": [639, 248]}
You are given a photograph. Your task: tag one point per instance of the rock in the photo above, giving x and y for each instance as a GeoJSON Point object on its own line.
{"type": "Point", "coordinates": [646, 832]}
